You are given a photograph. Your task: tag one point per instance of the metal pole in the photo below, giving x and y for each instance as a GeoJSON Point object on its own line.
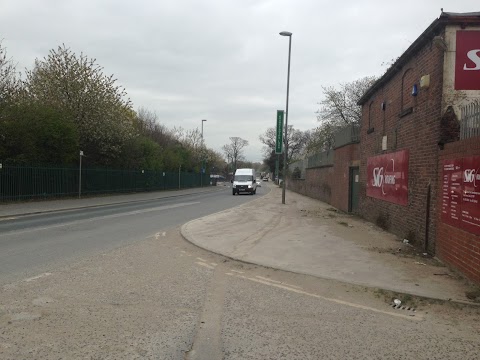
{"type": "Point", "coordinates": [286, 122]}
{"type": "Point", "coordinates": [201, 158]}
{"type": "Point", "coordinates": [277, 164]}
{"type": "Point", "coordinates": [80, 177]}
{"type": "Point", "coordinates": [179, 168]}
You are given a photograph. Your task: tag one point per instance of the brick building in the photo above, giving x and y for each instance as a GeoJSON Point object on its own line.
{"type": "Point", "coordinates": [408, 117]}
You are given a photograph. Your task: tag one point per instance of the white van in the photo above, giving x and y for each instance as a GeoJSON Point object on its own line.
{"type": "Point", "coordinates": [244, 181]}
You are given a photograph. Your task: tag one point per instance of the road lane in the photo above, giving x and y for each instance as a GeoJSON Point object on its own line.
{"type": "Point", "coordinates": [31, 243]}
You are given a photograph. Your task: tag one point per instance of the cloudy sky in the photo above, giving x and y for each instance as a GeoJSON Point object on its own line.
{"type": "Point", "coordinates": [223, 60]}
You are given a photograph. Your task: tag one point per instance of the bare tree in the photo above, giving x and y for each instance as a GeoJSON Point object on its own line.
{"type": "Point", "coordinates": [234, 150]}
{"type": "Point", "coordinates": [149, 126]}
{"type": "Point", "coordinates": [296, 140]}
{"type": "Point", "coordinates": [339, 108]}
{"type": "Point", "coordinates": [191, 138]}
{"type": "Point", "coordinates": [8, 79]}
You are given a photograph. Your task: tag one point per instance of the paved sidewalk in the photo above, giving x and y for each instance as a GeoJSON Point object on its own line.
{"type": "Point", "coordinates": [309, 237]}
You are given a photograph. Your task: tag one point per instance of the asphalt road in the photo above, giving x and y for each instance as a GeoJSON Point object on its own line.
{"type": "Point", "coordinates": [134, 289]}
{"type": "Point", "coordinates": [31, 243]}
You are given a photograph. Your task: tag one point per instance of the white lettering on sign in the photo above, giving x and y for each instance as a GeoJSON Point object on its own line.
{"type": "Point", "coordinates": [379, 179]}
{"type": "Point", "coordinates": [470, 176]}
{"type": "Point", "coordinates": [390, 179]}
{"type": "Point", "coordinates": [473, 56]}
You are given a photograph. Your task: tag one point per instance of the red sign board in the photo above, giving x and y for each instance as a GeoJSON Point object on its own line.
{"type": "Point", "coordinates": [467, 60]}
{"type": "Point", "coordinates": [387, 177]}
{"type": "Point", "coordinates": [452, 191]}
{"type": "Point", "coordinates": [461, 193]}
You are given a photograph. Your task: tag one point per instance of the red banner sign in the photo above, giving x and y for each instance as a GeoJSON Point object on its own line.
{"type": "Point", "coordinates": [387, 177]}
{"type": "Point", "coordinates": [452, 192]}
{"type": "Point", "coordinates": [461, 193]}
{"type": "Point", "coordinates": [467, 60]}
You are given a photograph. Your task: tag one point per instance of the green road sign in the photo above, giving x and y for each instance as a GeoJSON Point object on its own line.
{"type": "Point", "coordinates": [279, 137]}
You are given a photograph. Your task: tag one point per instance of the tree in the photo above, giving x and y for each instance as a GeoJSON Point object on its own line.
{"type": "Point", "coordinates": [234, 150]}
{"type": "Point", "coordinates": [147, 125]}
{"type": "Point", "coordinates": [33, 133]}
{"type": "Point", "coordinates": [339, 108]}
{"type": "Point", "coordinates": [214, 160]}
{"type": "Point", "coordinates": [9, 83]}
{"type": "Point", "coordinates": [99, 108]}
{"type": "Point", "coordinates": [296, 140]}
{"type": "Point", "coordinates": [270, 161]}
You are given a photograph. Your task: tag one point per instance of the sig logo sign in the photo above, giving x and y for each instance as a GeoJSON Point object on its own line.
{"type": "Point", "coordinates": [387, 177]}
{"type": "Point", "coordinates": [467, 60]}
{"type": "Point", "coordinates": [471, 176]}
{"type": "Point", "coordinates": [382, 177]}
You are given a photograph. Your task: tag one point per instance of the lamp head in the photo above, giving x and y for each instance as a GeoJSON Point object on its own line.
{"type": "Point", "coordinates": [286, 33]}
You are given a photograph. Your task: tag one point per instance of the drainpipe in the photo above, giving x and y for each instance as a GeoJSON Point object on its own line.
{"type": "Point", "coordinates": [427, 217]}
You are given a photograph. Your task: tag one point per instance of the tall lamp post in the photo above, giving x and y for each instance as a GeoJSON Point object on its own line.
{"type": "Point", "coordinates": [201, 157]}
{"type": "Point", "coordinates": [202, 128]}
{"type": "Point", "coordinates": [289, 34]}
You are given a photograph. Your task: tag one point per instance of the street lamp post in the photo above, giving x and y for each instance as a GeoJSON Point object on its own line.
{"type": "Point", "coordinates": [202, 128]}
{"type": "Point", "coordinates": [289, 34]}
{"type": "Point", "coordinates": [201, 157]}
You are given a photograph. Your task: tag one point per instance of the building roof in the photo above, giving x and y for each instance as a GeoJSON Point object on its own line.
{"type": "Point", "coordinates": [435, 28]}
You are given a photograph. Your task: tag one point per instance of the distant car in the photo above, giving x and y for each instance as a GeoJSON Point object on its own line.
{"type": "Point", "coordinates": [258, 182]}
{"type": "Point", "coordinates": [265, 179]}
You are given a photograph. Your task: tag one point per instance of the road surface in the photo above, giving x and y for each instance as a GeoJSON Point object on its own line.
{"type": "Point", "coordinates": [120, 283]}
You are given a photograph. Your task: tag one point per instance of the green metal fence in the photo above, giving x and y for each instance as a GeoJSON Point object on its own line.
{"type": "Point", "coordinates": [28, 182]}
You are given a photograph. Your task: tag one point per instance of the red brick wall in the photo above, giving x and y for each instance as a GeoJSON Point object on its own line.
{"type": "Point", "coordinates": [317, 184]}
{"type": "Point", "coordinates": [455, 246]}
{"type": "Point", "coordinates": [331, 183]}
{"type": "Point", "coordinates": [418, 132]}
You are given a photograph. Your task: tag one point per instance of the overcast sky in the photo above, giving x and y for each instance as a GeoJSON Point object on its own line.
{"type": "Point", "coordinates": [223, 60]}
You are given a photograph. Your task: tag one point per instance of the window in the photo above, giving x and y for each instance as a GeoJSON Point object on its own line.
{"type": "Point", "coordinates": [370, 118]}
{"type": "Point", "coordinates": [408, 80]}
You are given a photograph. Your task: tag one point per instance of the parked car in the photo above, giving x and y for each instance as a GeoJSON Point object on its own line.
{"type": "Point", "coordinates": [265, 179]}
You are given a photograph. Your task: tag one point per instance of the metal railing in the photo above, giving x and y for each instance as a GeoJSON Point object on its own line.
{"type": "Point", "coordinates": [29, 182]}
{"type": "Point", "coordinates": [347, 135]}
{"type": "Point", "coordinates": [324, 158]}
{"type": "Point", "coordinates": [470, 121]}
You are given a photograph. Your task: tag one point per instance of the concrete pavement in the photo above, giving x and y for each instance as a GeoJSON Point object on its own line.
{"type": "Point", "coordinates": [310, 237]}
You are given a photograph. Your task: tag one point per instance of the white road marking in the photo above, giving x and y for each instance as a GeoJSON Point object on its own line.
{"type": "Point", "coordinates": [198, 258]}
{"type": "Point", "coordinates": [76, 222]}
{"type": "Point", "coordinates": [337, 301]}
{"type": "Point", "coordinates": [157, 235]}
{"type": "Point", "coordinates": [164, 234]}
{"type": "Point", "coordinates": [240, 272]}
{"type": "Point", "coordinates": [37, 277]}
{"type": "Point", "coordinates": [278, 282]}
{"type": "Point", "coordinates": [213, 264]}
{"type": "Point", "coordinates": [8, 218]}
{"type": "Point", "coordinates": [205, 265]}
